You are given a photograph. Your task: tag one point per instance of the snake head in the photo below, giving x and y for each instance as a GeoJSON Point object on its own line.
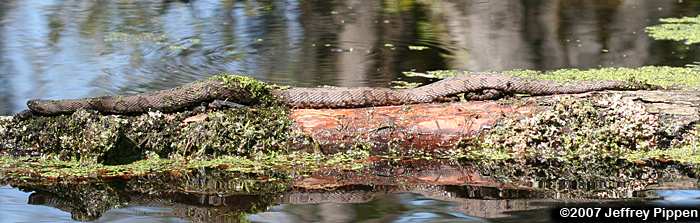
{"type": "Point", "coordinates": [38, 106]}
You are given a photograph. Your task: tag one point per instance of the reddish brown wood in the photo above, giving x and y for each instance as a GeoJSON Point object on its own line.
{"type": "Point", "coordinates": [420, 126]}
{"type": "Point", "coordinates": [441, 125]}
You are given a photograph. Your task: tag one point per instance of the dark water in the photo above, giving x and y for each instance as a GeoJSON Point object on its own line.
{"type": "Point", "coordinates": [14, 207]}
{"type": "Point", "coordinates": [401, 207]}
{"type": "Point", "coordinates": [382, 207]}
{"type": "Point", "coordinates": [67, 49]}
{"type": "Point", "coordinates": [78, 48]}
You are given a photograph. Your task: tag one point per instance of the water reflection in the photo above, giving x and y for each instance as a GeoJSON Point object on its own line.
{"type": "Point", "coordinates": [214, 195]}
{"type": "Point", "coordinates": [341, 206]}
{"type": "Point", "coordinates": [401, 207]}
{"type": "Point", "coordinates": [424, 206]}
{"type": "Point", "coordinates": [67, 49]}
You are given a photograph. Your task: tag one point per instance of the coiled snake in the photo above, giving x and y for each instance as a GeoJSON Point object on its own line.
{"type": "Point", "coordinates": [484, 85]}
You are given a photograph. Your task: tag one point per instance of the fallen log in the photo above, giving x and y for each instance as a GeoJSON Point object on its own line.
{"type": "Point", "coordinates": [595, 145]}
{"type": "Point", "coordinates": [607, 144]}
{"type": "Point", "coordinates": [420, 127]}
{"type": "Point", "coordinates": [442, 126]}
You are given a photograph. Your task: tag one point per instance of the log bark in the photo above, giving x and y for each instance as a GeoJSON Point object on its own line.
{"type": "Point", "coordinates": [423, 127]}
{"type": "Point", "coordinates": [437, 126]}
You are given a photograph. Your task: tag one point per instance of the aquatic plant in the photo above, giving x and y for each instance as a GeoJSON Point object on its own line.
{"type": "Point", "coordinates": [664, 76]}
{"type": "Point", "coordinates": [684, 29]}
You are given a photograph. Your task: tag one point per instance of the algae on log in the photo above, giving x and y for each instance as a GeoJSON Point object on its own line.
{"type": "Point", "coordinates": [634, 120]}
{"type": "Point", "coordinates": [597, 145]}
{"type": "Point", "coordinates": [552, 145]}
{"type": "Point", "coordinates": [518, 140]}
{"type": "Point", "coordinates": [624, 121]}
{"type": "Point", "coordinates": [87, 135]}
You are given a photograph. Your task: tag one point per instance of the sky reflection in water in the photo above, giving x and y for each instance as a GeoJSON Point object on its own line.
{"type": "Point", "coordinates": [68, 49]}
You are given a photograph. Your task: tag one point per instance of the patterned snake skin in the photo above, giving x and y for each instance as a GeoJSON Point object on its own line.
{"type": "Point", "coordinates": [489, 86]}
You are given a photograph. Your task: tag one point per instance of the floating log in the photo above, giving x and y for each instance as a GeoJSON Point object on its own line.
{"type": "Point", "coordinates": [556, 148]}
{"type": "Point", "coordinates": [421, 127]}
{"type": "Point", "coordinates": [442, 126]}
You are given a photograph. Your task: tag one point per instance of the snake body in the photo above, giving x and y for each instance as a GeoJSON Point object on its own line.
{"type": "Point", "coordinates": [325, 97]}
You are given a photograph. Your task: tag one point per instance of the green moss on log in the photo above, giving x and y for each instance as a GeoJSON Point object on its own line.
{"type": "Point", "coordinates": [594, 139]}
{"type": "Point", "coordinates": [686, 151]}
{"type": "Point", "coordinates": [261, 92]}
{"type": "Point", "coordinates": [573, 129]}
{"type": "Point", "coordinates": [88, 135]}
{"type": "Point", "coordinates": [272, 165]}
{"type": "Point", "coordinates": [93, 137]}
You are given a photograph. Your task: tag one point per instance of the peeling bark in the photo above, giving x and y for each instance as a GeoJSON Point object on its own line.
{"type": "Point", "coordinates": [437, 126]}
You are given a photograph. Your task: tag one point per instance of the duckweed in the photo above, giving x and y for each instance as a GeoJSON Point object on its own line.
{"type": "Point", "coordinates": [677, 29]}
{"type": "Point", "coordinates": [682, 77]}
{"type": "Point", "coordinates": [663, 76]}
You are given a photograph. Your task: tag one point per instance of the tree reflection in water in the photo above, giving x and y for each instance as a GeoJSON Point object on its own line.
{"type": "Point", "coordinates": [69, 49]}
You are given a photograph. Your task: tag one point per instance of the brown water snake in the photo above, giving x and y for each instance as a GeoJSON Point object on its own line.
{"type": "Point", "coordinates": [493, 85]}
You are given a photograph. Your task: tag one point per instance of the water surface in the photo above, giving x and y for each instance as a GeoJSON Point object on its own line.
{"type": "Point", "coordinates": [393, 207]}
{"type": "Point", "coordinates": [73, 48]}
{"type": "Point", "coordinates": [67, 49]}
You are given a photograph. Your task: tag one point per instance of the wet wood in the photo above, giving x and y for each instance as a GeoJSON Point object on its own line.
{"type": "Point", "coordinates": [436, 126]}
{"type": "Point", "coordinates": [416, 126]}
